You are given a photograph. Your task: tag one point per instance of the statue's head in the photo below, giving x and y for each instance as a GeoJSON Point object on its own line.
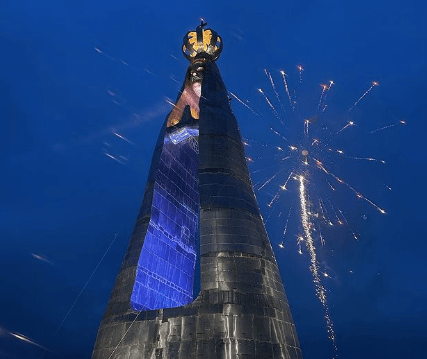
{"type": "Point", "coordinates": [202, 44]}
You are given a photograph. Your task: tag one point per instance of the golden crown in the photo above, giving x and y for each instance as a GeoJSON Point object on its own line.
{"type": "Point", "coordinates": [202, 43]}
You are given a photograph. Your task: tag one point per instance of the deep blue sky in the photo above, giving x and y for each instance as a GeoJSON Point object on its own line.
{"type": "Point", "coordinates": [63, 199]}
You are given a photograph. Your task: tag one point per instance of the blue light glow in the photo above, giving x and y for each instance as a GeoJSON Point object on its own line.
{"type": "Point", "coordinates": [165, 272]}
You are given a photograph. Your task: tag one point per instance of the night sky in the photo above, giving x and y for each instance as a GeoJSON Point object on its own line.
{"type": "Point", "coordinates": [73, 73]}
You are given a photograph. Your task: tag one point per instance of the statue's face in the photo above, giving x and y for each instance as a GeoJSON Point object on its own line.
{"type": "Point", "coordinates": [196, 72]}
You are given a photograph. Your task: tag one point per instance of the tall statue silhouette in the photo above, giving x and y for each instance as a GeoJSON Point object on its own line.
{"type": "Point", "coordinates": [199, 201]}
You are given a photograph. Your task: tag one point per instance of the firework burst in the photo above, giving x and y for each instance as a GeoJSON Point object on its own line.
{"type": "Point", "coordinates": [306, 172]}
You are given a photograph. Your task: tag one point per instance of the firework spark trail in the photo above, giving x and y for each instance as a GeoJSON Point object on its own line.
{"type": "Point", "coordinates": [27, 340]}
{"type": "Point", "coordinates": [356, 238]}
{"type": "Point", "coordinates": [174, 80]}
{"type": "Point", "coordinates": [285, 83]}
{"type": "Point", "coordinates": [286, 224]}
{"type": "Point", "coordinates": [248, 142]}
{"type": "Point", "coordinates": [402, 122]}
{"type": "Point", "coordinates": [324, 88]}
{"type": "Point", "coordinates": [358, 194]}
{"type": "Point", "coordinates": [336, 214]}
{"type": "Point", "coordinates": [124, 335]}
{"type": "Point", "coordinates": [243, 103]}
{"type": "Point", "coordinates": [268, 181]}
{"type": "Point", "coordinates": [306, 123]}
{"type": "Point", "coordinates": [123, 138]}
{"type": "Point", "coordinates": [322, 239]}
{"type": "Point", "coordinates": [273, 85]}
{"type": "Point", "coordinates": [371, 159]}
{"type": "Point", "coordinates": [322, 210]}
{"type": "Point", "coordinates": [331, 83]}
{"type": "Point", "coordinates": [299, 240]}
{"type": "Point", "coordinates": [276, 196]}
{"type": "Point", "coordinates": [85, 285]}
{"type": "Point", "coordinates": [300, 69]}
{"type": "Point", "coordinates": [365, 93]}
{"type": "Point", "coordinates": [277, 155]}
{"type": "Point", "coordinates": [283, 187]}
{"type": "Point", "coordinates": [314, 267]}
{"type": "Point", "coordinates": [350, 123]}
{"type": "Point", "coordinates": [99, 51]}
{"type": "Point", "coordinates": [332, 187]}
{"type": "Point", "coordinates": [42, 258]}
{"type": "Point", "coordinates": [263, 169]}
{"type": "Point", "coordinates": [114, 158]}
{"type": "Point", "coordinates": [273, 109]}
{"type": "Point", "coordinates": [169, 101]}
{"type": "Point", "coordinates": [278, 134]}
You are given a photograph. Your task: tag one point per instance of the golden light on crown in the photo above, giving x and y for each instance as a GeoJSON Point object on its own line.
{"type": "Point", "coordinates": [202, 43]}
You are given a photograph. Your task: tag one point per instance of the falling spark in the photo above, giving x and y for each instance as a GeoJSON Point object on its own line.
{"type": "Point", "coordinates": [365, 93]}
{"type": "Point", "coordinates": [86, 284]}
{"type": "Point", "coordinates": [356, 238]}
{"type": "Point", "coordinates": [358, 194]}
{"type": "Point", "coordinates": [332, 187]}
{"type": "Point", "coordinates": [267, 182]}
{"type": "Point", "coordinates": [114, 158]}
{"type": "Point", "coordinates": [300, 69]}
{"type": "Point", "coordinates": [371, 159]}
{"type": "Point", "coordinates": [324, 89]}
{"type": "Point", "coordinates": [276, 196]}
{"type": "Point", "coordinates": [401, 122]}
{"type": "Point", "coordinates": [278, 134]}
{"type": "Point", "coordinates": [124, 335]}
{"type": "Point", "coordinates": [243, 103]}
{"type": "Point", "coordinates": [306, 123]}
{"type": "Point", "coordinates": [314, 267]}
{"type": "Point", "coordinates": [168, 100]}
{"type": "Point", "coordinates": [174, 80]}
{"type": "Point", "coordinates": [285, 83]}
{"type": "Point", "coordinates": [99, 51]}
{"type": "Point", "coordinates": [273, 85]}
{"type": "Point", "coordinates": [326, 94]}
{"type": "Point", "coordinates": [286, 225]}
{"type": "Point", "coordinates": [322, 240]}
{"type": "Point", "coordinates": [350, 123]}
{"type": "Point", "coordinates": [27, 340]}
{"type": "Point", "coordinates": [123, 138]}
{"type": "Point", "coordinates": [299, 240]}
{"type": "Point", "coordinates": [41, 258]}
{"type": "Point", "coordinates": [273, 109]}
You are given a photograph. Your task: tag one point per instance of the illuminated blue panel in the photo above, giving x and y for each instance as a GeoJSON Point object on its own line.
{"type": "Point", "coordinates": [165, 272]}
